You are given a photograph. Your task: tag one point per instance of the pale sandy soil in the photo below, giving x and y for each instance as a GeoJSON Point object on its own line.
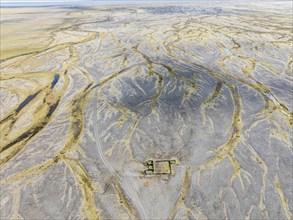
{"type": "Point", "coordinates": [89, 94]}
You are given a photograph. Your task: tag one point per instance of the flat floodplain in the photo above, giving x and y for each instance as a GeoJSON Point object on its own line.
{"type": "Point", "coordinates": [201, 91]}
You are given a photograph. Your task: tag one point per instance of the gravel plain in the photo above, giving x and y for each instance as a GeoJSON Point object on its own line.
{"type": "Point", "coordinates": [89, 94]}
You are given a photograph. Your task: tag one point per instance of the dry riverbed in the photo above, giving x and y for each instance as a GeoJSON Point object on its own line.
{"type": "Point", "coordinates": [147, 112]}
